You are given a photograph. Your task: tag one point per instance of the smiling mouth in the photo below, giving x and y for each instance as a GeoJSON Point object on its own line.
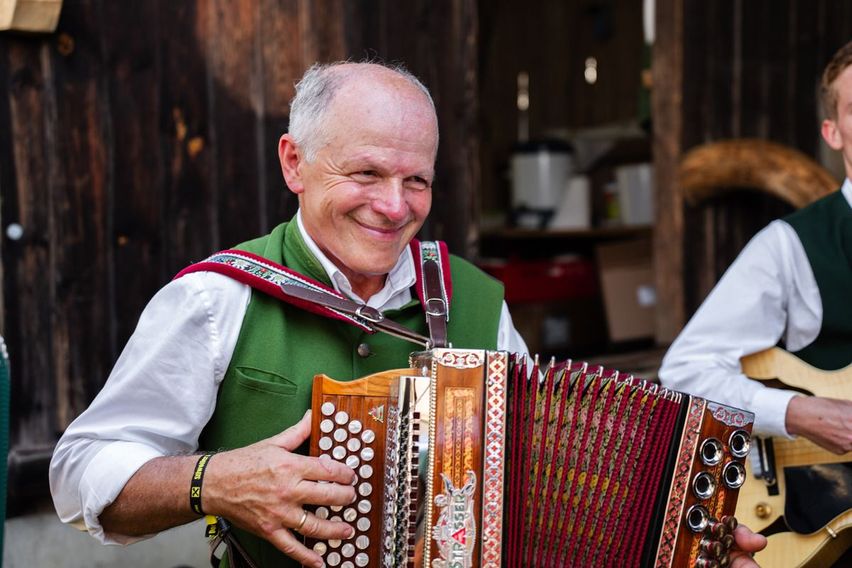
{"type": "Point", "coordinates": [382, 230]}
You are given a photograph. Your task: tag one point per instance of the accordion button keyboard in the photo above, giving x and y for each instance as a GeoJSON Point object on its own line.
{"type": "Point", "coordinates": [327, 409]}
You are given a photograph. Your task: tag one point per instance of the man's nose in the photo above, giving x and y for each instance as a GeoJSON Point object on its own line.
{"type": "Point", "coordinates": [390, 201]}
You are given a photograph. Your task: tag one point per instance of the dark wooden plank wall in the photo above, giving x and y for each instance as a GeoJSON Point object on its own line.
{"type": "Point", "coordinates": [551, 40]}
{"type": "Point", "coordinates": [143, 135]}
{"type": "Point", "coordinates": [750, 70]}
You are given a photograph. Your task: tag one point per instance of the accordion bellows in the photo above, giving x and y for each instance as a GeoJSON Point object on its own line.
{"type": "Point", "coordinates": [474, 458]}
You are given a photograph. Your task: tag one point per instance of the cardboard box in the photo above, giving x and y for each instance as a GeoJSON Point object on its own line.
{"type": "Point", "coordinates": [627, 281]}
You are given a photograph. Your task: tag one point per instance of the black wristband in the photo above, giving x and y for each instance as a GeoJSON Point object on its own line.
{"type": "Point", "coordinates": [195, 484]}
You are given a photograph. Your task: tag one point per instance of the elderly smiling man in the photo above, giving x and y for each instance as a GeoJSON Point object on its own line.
{"type": "Point", "coordinates": [214, 365]}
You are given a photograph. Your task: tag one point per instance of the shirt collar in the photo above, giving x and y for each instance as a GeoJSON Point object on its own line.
{"type": "Point", "coordinates": [847, 191]}
{"type": "Point", "coordinates": [397, 289]}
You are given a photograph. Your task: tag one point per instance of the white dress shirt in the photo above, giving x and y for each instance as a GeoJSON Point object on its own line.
{"type": "Point", "coordinates": [162, 391]}
{"type": "Point", "coordinates": [768, 294]}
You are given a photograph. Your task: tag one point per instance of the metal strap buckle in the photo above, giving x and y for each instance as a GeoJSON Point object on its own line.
{"type": "Point", "coordinates": [440, 310]}
{"type": "Point", "coordinates": [372, 315]}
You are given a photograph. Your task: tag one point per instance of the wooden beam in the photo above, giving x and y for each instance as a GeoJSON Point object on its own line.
{"type": "Point", "coordinates": [667, 103]}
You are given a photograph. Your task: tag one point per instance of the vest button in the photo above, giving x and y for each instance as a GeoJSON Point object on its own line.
{"type": "Point", "coordinates": [364, 350]}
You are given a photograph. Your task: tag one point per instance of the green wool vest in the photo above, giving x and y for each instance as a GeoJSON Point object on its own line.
{"type": "Point", "coordinates": [267, 387]}
{"type": "Point", "coordinates": [825, 229]}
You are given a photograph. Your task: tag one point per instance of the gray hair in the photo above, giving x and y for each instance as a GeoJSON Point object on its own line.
{"type": "Point", "coordinates": [314, 93]}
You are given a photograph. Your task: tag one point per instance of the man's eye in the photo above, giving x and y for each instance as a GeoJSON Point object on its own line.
{"type": "Point", "coordinates": [418, 183]}
{"type": "Point", "coordinates": [367, 173]}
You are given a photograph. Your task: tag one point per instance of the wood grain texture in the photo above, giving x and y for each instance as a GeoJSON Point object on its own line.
{"type": "Point", "coordinates": [668, 128]}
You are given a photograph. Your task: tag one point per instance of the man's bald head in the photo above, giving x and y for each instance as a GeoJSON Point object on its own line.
{"type": "Point", "coordinates": [318, 87]}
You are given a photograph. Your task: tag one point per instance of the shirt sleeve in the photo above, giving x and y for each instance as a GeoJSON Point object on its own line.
{"type": "Point", "coordinates": [768, 294]}
{"type": "Point", "coordinates": [157, 399]}
{"type": "Point", "coordinates": [508, 338]}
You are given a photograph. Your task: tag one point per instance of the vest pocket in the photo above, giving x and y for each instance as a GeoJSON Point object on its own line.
{"type": "Point", "coordinates": [265, 381]}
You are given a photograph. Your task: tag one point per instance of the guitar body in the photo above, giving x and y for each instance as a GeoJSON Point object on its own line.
{"type": "Point", "coordinates": [756, 507]}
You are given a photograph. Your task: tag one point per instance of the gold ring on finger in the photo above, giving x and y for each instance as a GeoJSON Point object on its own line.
{"type": "Point", "coordinates": [302, 521]}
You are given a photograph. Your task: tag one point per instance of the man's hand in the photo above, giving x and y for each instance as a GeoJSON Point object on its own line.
{"type": "Point", "coordinates": [825, 421]}
{"type": "Point", "coordinates": [746, 543]}
{"type": "Point", "coordinates": [264, 487]}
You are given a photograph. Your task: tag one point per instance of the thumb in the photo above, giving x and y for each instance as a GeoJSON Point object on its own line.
{"type": "Point", "coordinates": [295, 435]}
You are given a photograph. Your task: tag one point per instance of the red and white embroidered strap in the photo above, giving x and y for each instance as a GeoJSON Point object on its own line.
{"type": "Point", "coordinates": [296, 289]}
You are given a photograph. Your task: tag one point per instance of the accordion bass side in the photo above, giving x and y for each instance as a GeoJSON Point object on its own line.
{"type": "Point", "coordinates": [477, 458]}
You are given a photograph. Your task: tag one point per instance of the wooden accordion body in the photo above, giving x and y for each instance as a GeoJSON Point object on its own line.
{"type": "Point", "coordinates": [472, 458]}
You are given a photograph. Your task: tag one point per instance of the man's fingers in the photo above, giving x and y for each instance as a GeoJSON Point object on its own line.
{"type": "Point", "coordinates": [287, 543]}
{"type": "Point", "coordinates": [295, 435]}
{"type": "Point", "coordinates": [313, 493]}
{"type": "Point", "coordinates": [320, 469]}
{"type": "Point", "coordinates": [323, 529]}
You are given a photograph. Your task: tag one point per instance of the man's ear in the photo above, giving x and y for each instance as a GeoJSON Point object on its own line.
{"type": "Point", "coordinates": [291, 158]}
{"type": "Point", "coordinates": [831, 134]}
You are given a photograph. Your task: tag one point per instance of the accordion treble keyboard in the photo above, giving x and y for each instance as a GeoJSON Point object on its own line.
{"type": "Point", "coordinates": [476, 459]}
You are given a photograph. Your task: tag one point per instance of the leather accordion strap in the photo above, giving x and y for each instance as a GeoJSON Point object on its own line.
{"type": "Point", "coordinates": [296, 289]}
{"type": "Point", "coordinates": [434, 287]}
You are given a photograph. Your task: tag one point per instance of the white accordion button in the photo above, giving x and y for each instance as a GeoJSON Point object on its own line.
{"type": "Point", "coordinates": [324, 443]}
{"type": "Point", "coordinates": [320, 548]}
{"type": "Point", "coordinates": [321, 513]}
{"type": "Point", "coordinates": [353, 462]}
{"type": "Point", "coordinates": [347, 564]}
{"type": "Point", "coordinates": [362, 542]}
{"type": "Point", "coordinates": [334, 543]}
{"type": "Point", "coordinates": [341, 417]}
{"type": "Point", "coordinates": [326, 426]}
{"type": "Point", "coordinates": [361, 560]}
{"type": "Point", "coordinates": [355, 426]}
{"type": "Point", "coordinates": [364, 506]}
{"type": "Point", "coordinates": [348, 550]}
{"type": "Point", "coordinates": [327, 408]}
{"type": "Point", "coordinates": [354, 444]}
{"type": "Point", "coordinates": [365, 489]}
{"type": "Point", "coordinates": [367, 454]}
{"type": "Point", "coordinates": [349, 515]}
{"type": "Point", "coordinates": [364, 524]}
{"type": "Point", "coordinates": [332, 559]}
{"type": "Point", "coordinates": [366, 471]}
{"type": "Point", "coordinates": [339, 452]}
{"type": "Point", "coordinates": [340, 435]}
{"type": "Point", "coordinates": [368, 436]}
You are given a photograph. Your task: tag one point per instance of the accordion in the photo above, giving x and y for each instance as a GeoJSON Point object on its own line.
{"type": "Point", "coordinates": [479, 458]}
